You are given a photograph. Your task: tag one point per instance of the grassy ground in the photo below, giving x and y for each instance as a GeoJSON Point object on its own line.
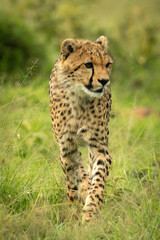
{"type": "Point", "coordinates": [33, 202]}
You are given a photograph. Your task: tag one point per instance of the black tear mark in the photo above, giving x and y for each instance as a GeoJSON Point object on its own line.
{"type": "Point", "coordinates": [89, 86]}
{"type": "Point", "coordinates": [91, 78]}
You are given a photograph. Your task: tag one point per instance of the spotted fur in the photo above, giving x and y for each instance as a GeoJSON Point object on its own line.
{"type": "Point", "coordinates": [80, 104]}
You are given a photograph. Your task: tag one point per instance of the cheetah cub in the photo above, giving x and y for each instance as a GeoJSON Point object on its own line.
{"type": "Point", "coordinates": [80, 104]}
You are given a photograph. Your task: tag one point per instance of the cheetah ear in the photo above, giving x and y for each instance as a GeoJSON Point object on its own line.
{"type": "Point", "coordinates": [68, 46]}
{"type": "Point", "coordinates": [102, 41]}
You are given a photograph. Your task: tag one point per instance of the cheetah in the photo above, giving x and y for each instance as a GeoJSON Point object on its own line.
{"type": "Point", "coordinates": [80, 105]}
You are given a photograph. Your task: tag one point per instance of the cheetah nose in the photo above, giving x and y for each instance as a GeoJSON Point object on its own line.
{"type": "Point", "coordinates": [103, 81]}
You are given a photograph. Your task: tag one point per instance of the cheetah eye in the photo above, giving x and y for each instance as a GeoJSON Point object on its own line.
{"type": "Point", "coordinates": [108, 64]}
{"type": "Point", "coordinates": [89, 65]}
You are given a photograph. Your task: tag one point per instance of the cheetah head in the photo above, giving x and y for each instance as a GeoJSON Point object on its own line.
{"type": "Point", "coordinates": [85, 66]}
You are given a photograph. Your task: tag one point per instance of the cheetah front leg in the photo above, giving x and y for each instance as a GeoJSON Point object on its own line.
{"type": "Point", "coordinates": [100, 165]}
{"type": "Point", "coordinates": [76, 176]}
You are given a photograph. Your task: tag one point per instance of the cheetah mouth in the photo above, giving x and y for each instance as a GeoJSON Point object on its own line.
{"type": "Point", "coordinates": [97, 91]}
{"type": "Point", "coordinates": [100, 90]}
{"type": "Point", "coordinates": [91, 92]}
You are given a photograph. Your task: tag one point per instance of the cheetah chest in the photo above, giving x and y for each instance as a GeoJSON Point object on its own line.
{"type": "Point", "coordinates": [77, 121]}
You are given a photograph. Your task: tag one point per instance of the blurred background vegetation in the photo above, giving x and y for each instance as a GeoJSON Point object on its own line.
{"type": "Point", "coordinates": [33, 202]}
{"type": "Point", "coordinates": [34, 30]}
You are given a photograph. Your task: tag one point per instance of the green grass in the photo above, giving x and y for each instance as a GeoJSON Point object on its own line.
{"type": "Point", "coordinates": [33, 202]}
